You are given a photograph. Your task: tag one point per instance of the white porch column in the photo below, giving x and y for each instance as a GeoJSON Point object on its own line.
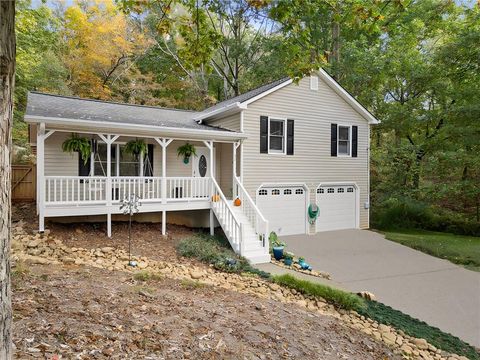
{"type": "Point", "coordinates": [41, 137]}
{"type": "Point", "coordinates": [209, 145]}
{"type": "Point", "coordinates": [234, 170]}
{"type": "Point", "coordinates": [164, 143]}
{"type": "Point", "coordinates": [241, 146]}
{"type": "Point", "coordinates": [109, 139]}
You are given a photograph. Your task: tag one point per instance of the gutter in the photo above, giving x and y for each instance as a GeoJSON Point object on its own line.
{"type": "Point", "coordinates": [132, 129]}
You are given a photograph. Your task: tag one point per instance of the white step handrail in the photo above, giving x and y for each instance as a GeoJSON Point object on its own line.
{"type": "Point", "coordinates": [232, 227]}
{"type": "Point", "coordinates": [252, 212]}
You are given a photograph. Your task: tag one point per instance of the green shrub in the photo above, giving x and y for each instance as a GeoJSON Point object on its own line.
{"type": "Point", "coordinates": [216, 251]}
{"type": "Point", "coordinates": [406, 213]}
{"type": "Point", "coordinates": [338, 298]}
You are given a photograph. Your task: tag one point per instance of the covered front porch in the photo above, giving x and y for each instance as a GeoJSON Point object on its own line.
{"type": "Point", "coordinates": [162, 180]}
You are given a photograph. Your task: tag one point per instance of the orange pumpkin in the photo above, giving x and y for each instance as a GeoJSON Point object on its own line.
{"type": "Point", "coordinates": [216, 198]}
{"type": "Point", "coordinates": [237, 202]}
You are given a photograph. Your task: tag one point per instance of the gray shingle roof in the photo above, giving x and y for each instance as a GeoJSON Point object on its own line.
{"type": "Point", "coordinates": [67, 107]}
{"type": "Point", "coordinates": [245, 96]}
{"type": "Point", "coordinates": [55, 106]}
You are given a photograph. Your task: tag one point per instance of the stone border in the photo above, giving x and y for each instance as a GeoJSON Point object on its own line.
{"type": "Point", "coordinates": [46, 250]}
{"type": "Point", "coordinates": [296, 267]}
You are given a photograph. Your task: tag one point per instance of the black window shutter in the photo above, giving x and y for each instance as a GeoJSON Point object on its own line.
{"type": "Point", "coordinates": [333, 147]}
{"type": "Point", "coordinates": [354, 140]}
{"type": "Point", "coordinates": [83, 168]}
{"type": "Point", "coordinates": [290, 128]}
{"type": "Point", "coordinates": [263, 134]}
{"type": "Point", "coordinates": [148, 169]}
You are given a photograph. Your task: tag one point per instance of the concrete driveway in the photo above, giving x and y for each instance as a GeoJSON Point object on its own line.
{"type": "Point", "coordinates": [434, 290]}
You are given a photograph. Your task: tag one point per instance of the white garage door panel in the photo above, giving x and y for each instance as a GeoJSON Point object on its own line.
{"type": "Point", "coordinates": [286, 212]}
{"type": "Point", "coordinates": [338, 209]}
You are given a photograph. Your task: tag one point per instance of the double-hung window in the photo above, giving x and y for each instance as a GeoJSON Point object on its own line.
{"type": "Point", "coordinates": [122, 164]}
{"type": "Point", "coordinates": [344, 141]}
{"type": "Point", "coordinates": [276, 136]}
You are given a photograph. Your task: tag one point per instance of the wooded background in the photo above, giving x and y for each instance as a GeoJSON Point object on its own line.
{"type": "Point", "coordinates": [414, 64]}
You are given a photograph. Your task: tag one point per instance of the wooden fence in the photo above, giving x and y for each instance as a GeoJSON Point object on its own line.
{"type": "Point", "coordinates": [24, 183]}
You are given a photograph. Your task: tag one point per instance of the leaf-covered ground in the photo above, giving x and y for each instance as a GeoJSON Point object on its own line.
{"type": "Point", "coordinates": [85, 313]}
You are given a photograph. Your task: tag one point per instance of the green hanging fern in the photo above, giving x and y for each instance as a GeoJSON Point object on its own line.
{"type": "Point", "coordinates": [78, 144]}
{"type": "Point", "coordinates": [187, 150]}
{"type": "Point", "coordinates": [136, 147]}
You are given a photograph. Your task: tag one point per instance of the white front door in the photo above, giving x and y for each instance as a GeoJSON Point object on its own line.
{"type": "Point", "coordinates": [285, 208]}
{"type": "Point", "coordinates": [338, 207]}
{"type": "Point", "coordinates": [201, 163]}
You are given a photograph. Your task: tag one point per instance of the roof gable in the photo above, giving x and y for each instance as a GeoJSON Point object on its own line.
{"type": "Point", "coordinates": [241, 102]}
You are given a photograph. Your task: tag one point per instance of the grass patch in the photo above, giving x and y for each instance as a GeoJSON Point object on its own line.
{"type": "Point", "coordinates": [339, 298]}
{"type": "Point", "coordinates": [20, 270]}
{"type": "Point", "coordinates": [216, 251]}
{"type": "Point", "coordinates": [191, 284]}
{"type": "Point", "coordinates": [459, 249]}
{"type": "Point", "coordinates": [146, 276]}
{"type": "Point", "coordinates": [386, 315]}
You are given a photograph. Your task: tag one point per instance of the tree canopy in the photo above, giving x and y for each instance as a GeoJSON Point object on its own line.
{"type": "Point", "coordinates": [414, 64]}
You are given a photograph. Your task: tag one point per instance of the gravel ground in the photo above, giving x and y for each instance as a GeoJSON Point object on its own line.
{"type": "Point", "coordinates": [79, 312]}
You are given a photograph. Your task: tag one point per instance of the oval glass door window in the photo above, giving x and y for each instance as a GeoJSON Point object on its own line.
{"type": "Point", "coordinates": [202, 165]}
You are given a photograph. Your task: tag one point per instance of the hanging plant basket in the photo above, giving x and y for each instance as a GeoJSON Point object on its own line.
{"type": "Point", "coordinates": [187, 150]}
{"type": "Point", "coordinates": [78, 144]}
{"type": "Point", "coordinates": [136, 147]}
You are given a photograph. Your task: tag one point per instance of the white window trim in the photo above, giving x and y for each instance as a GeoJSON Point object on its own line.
{"type": "Point", "coordinates": [349, 140]}
{"type": "Point", "coordinates": [117, 159]}
{"type": "Point", "coordinates": [284, 120]}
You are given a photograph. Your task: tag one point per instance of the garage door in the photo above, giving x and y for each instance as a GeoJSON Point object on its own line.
{"type": "Point", "coordinates": [285, 208]}
{"type": "Point", "coordinates": [337, 206]}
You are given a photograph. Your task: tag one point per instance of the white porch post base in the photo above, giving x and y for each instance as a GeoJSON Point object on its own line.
{"type": "Point", "coordinates": [109, 225]}
{"type": "Point", "coordinates": [164, 223]}
{"type": "Point", "coordinates": [212, 225]}
{"type": "Point", "coordinates": [41, 222]}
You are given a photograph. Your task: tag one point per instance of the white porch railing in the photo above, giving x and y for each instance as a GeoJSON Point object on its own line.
{"type": "Point", "coordinates": [146, 188]}
{"type": "Point", "coordinates": [251, 211]}
{"type": "Point", "coordinates": [73, 190]}
{"type": "Point", "coordinates": [232, 227]}
{"type": "Point", "coordinates": [188, 188]}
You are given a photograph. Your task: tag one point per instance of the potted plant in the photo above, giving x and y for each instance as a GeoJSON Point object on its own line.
{"type": "Point", "coordinates": [301, 260]}
{"type": "Point", "coordinates": [136, 147]}
{"type": "Point", "coordinates": [186, 150]}
{"type": "Point", "coordinates": [276, 245]}
{"type": "Point", "coordinates": [82, 145]}
{"type": "Point", "coordinates": [288, 258]}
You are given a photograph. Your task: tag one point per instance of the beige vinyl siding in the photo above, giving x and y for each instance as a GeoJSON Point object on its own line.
{"type": "Point", "coordinates": [225, 174]}
{"type": "Point", "coordinates": [313, 112]}
{"type": "Point", "coordinates": [231, 122]}
{"type": "Point", "coordinates": [59, 163]}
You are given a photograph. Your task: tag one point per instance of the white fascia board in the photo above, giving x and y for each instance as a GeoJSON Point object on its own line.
{"type": "Point", "coordinates": [265, 93]}
{"type": "Point", "coordinates": [232, 108]}
{"type": "Point", "coordinates": [240, 105]}
{"type": "Point", "coordinates": [134, 129]}
{"type": "Point", "coordinates": [335, 86]}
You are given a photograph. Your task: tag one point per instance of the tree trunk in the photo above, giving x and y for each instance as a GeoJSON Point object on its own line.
{"type": "Point", "coordinates": [7, 71]}
{"type": "Point", "coordinates": [336, 49]}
